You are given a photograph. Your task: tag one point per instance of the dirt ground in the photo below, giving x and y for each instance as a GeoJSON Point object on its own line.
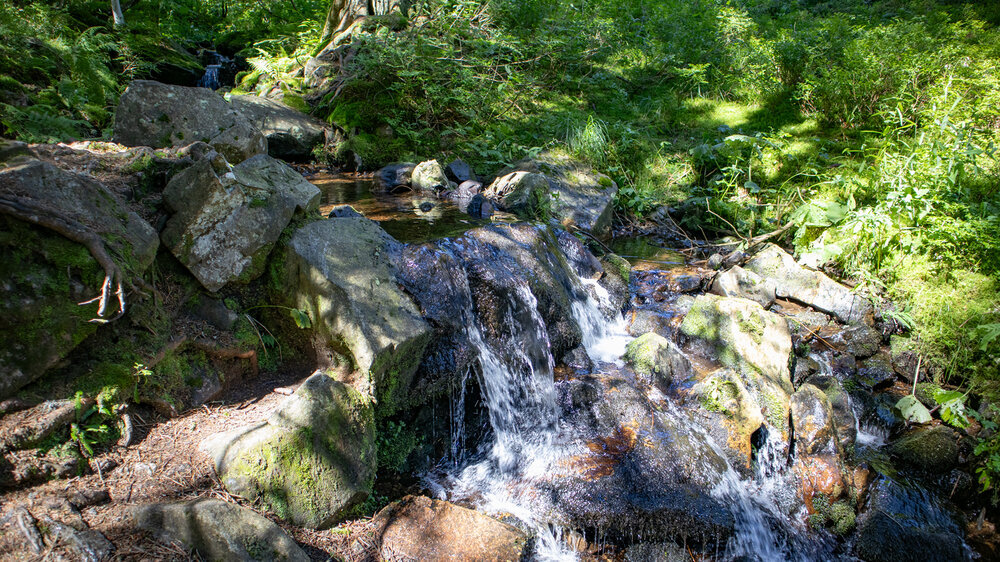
{"type": "Point", "coordinates": [163, 465]}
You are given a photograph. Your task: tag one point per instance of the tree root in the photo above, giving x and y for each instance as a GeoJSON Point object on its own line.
{"type": "Point", "coordinates": [208, 347]}
{"type": "Point", "coordinates": [114, 285]}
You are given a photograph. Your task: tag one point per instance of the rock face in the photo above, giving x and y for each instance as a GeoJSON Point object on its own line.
{"type": "Point", "coordinates": [522, 193]}
{"type": "Point", "coordinates": [339, 271]}
{"type": "Point", "coordinates": [162, 115]}
{"type": "Point", "coordinates": [226, 221]}
{"type": "Point", "coordinates": [312, 462]}
{"type": "Point", "coordinates": [579, 194]}
{"type": "Point", "coordinates": [218, 530]}
{"type": "Point", "coordinates": [45, 274]}
{"type": "Point", "coordinates": [291, 134]}
{"type": "Point", "coordinates": [429, 176]}
{"type": "Point", "coordinates": [809, 287]}
{"type": "Point", "coordinates": [902, 524]}
{"type": "Point", "coordinates": [651, 354]}
{"type": "Point", "coordinates": [754, 342]}
{"type": "Point", "coordinates": [419, 528]}
{"type": "Point", "coordinates": [738, 282]}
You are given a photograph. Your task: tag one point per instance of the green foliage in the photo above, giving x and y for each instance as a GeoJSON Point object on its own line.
{"type": "Point", "coordinates": [394, 444]}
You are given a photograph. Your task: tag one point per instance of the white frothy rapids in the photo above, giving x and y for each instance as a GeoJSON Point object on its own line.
{"type": "Point", "coordinates": [604, 338]}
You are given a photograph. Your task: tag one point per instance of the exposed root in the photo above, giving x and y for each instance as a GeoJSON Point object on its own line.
{"type": "Point", "coordinates": [114, 285]}
{"type": "Point", "coordinates": [209, 347]}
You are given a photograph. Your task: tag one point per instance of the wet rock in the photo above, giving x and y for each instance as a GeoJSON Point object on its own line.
{"type": "Point", "coordinates": [739, 415]}
{"type": "Point", "coordinates": [459, 171]}
{"type": "Point", "coordinates": [809, 287]}
{"type": "Point", "coordinates": [468, 188]}
{"type": "Point", "coordinates": [161, 115]}
{"type": "Point", "coordinates": [291, 134]}
{"type": "Point", "coordinates": [933, 449]}
{"type": "Point", "coordinates": [844, 420]}
{"type": "Point", "coordinates": [859, 340]}
{"type": "Point", "coordinates": [45, 275]}
{"type": "Point", "coordinates": [905, 523]}
{"type": "Point", "coordinates": [714, 262]}
{"type": "Point", "coordinates": [480, 207]}
{"type": "Point", "coordinates": [821, 478]}
{"type": "Point", "coordinates": [904, 357]}
{"type": "Point", "coordinates": [876, 372]}
{"type": "Point", "coordinates": [420, 528]}
{"type": "Point", "coordinates": [581, 260]}
{"type": "Point", "coordinates": [738, 282]}
{"type": "Point", "coordinates": [578, 360]}
{"type": "Point", "coordinates": [580, 195]}
{"type": "Point", "coordinates": [340, 272]}
{"type": "Point", "coordinates": [804, 367]}
{"type": "Point", "coordinates": [753, 342]}
{"type": "Point", "coordinates": [429, 176]}
{"type": "Point", "coordinates": [224, 224]}
{"type": "Point", "coordinates": [395, 176]}
{"type": "Point", "coordinates": [522, 193]}
{"type": "Point", "coordinates": [812, 418]}
{"type": "Point", "coordinates": [343, 211]}
{"type": "Point", "coordinates": [312, 462]}
{"type": "Point", "coordinates": [643, 320]}
{"type": "Point", "coordinates": [617, 273]}
{"type": "Point", "coordinates": [656, 357]}
{"type": "Point", "coordinates": [653, 478]}
{"type": "Point", "coordinates": [656, 552]}
{"type": "Point", "coordinates": [218, 530]}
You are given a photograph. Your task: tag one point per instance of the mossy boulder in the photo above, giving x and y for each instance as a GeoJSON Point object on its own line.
{"type": "Point", "coordinates": [291, 134]}
{"type": "Point", "coordinates": [579, 194]}
{"type": "Point", "coordinates": [813, 288]}
{"type": "Point", "coordinates": [733, 414]}
{"type": "Point", "coordinates": [522, 193]}
{"type": "Point", "coordinates": [226, 219]}
{"type": "Point", "coordinates": [162, 115]}
{"type": "Point", "coordinates": [755, 343]}
{"type": "Point", "coordinates": [218, 530]}
{"type": "Point", "coordinates": [933, 449]}
{"type": "Point", "coordinates": [312, 462]}
{"type": "Point", "coordinates": [45, 275]}
{"type": "Point", "coordinates": [654, 356]}
{"type": "Point", "coordinates": [430, 176]}
{"type": "Point", "coordinates": [340, 272]}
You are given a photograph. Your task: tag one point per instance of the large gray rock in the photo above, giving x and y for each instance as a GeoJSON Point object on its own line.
{"type": "Point", "coordinates": [163, 115]}
{"type": "Point", "coordinates": [218, 530]}
{"type": "Point", "coordinates": [225, 221]}
{"type": "Point", "coordinates": [420, 528]}
{"type": "Point", "coordinates": [396, 176]}
{"type": "Point", "coordinates": [730, 414]}
{"type": "Point", "coordinates": [430, 176]}
{"type": "Point", "coordinates": [339, 271]}
{"type": "Point", "coordinates": [522, 193]}
{"type": "Point", "coordinates": [754, 342]}
{"type": "Point", "coordinates": [291, 134]}
{"type": "Point", "coordinates": [738, 282]}
{"type": "Point", "coordinates": [45, 275]}
{"type": "Point", "coordinates": [580, 195]}
{"type": "Point", "coordinates": [813, 288]}
{"type": "Point", "coordinates": [312, 462]}
{"type": "Point", "coordinates": [812, 418]}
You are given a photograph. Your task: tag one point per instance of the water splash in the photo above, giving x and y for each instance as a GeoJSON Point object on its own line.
{"type": "Point", "coordinates": [604, 338]}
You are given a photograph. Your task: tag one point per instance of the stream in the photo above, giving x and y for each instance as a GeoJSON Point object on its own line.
{"type": "Point", "coordinates": [587, 455]}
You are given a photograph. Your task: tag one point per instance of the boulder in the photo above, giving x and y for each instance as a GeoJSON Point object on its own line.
{"type": "Point", "coordinates": [812, 419]}
{"type": "Point", "coordinates": [656, 357]}
{"type": "Point", "coordinates": [395, 176]}
{"type": "Point", "coordinates": [755, 343]}
{"type": "Point", "coordinates": [429, 176]}
{"type": "Point", "coordinates": [479, 207]}
{"type": "Point", "coordinates": [813, 288]}
{"type": "Point", "coordinates": [226, 221]}
{"type": "Point", "coordinates": [217, 530]}
{"type": "Point", "coordinates": [859, 340]}
{"type": "Point", "coordinates": [876, 372]}
{"type": "Point", "coordinates": [738, 282]}
{"type": "Point", "coordinates": [734, 415]}
{"type": "Point", "coordinates": [339, 270]}
{"type": "Point", "coordinates": [522, 193]}
{"type": "Point", "coordinates": [162, 115]}
{"type": "Point", "coordinates": [904, 522]}
{"type": "Point", "coordinates": [291, 134]}
{"type": "Point", "coordinates": [45, 275]}
{"type": "Point", "coordinates": [312, 462]}
{"type": "Point", "coordinates": [579, 194]}
{"type": "Point", "coordinates": [844, 420]}
{"type": "Point", "coordinates": [459, 171]}
{"type": "Point", "coordinates": [420, 528]}
{"type": "Point", "coordinates": [933, 449]}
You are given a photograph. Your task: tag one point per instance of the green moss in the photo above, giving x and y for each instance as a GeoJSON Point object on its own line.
{"type": "Point", "coordinates": [643, 353]}
{"type": "Point", "coordinates": [702, 321]}
{"type": "Point", "coordinates": [752, 325]}
{"type": "Point", "coordinates": [618, 266]}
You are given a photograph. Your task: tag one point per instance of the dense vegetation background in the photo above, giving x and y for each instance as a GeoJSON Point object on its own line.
{"type": "Point", "coordinates": [868, 128]}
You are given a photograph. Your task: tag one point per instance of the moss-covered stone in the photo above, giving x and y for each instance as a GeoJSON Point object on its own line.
{"type": "Point", "coordinates": [652, 355]}
{"type": "Point", "coordinates": [934, 449]}
{"type": "Point", "coordinates": [314, 459]}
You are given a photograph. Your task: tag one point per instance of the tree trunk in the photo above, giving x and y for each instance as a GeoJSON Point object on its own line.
{"type": "Point", "coordinates": [344, 15]}
{"type": "Point", "coordinates": [116, 11]}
